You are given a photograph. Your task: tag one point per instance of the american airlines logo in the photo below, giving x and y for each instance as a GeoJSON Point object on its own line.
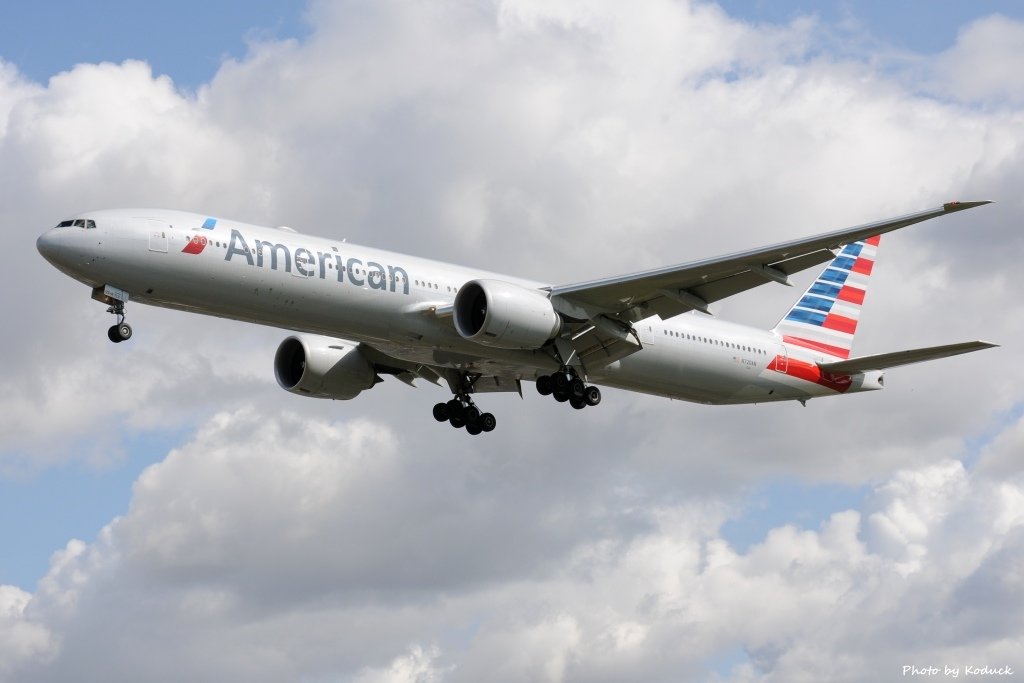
{"type": "Point", "coordinates": [199, 242]}
{"type": "Point", "coordinates": [309, 263]}
{"type": "Point", "coordinates": [195, 245]}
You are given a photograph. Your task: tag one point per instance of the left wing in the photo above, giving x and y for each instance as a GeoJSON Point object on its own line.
{"type": "Point", "coordinates": [677, 289]}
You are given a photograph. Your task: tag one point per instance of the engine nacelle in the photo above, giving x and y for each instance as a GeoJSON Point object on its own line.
{"type": "Point", "coordinates": [504, 315]}
{"type": "Point", "coordinates": [322, 367]}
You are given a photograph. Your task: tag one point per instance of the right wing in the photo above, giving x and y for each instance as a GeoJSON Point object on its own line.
{"type": "Point", "coordinates": [601, 312]}
{"type": "Point", "coordinates": [677, 289]}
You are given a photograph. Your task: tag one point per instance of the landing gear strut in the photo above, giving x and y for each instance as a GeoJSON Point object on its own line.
{"type": "Point", "coordinates": [565, 385]}
{"type": "Point", "coordinates": [122, 331]}
{"type": "Point", "coordinates": [115, 299]}
{"type": "Point", "coordinates": [462, 412]}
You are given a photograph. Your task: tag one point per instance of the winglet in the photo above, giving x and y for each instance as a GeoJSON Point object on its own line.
{"type": "Point", "coordinates": [951, 207]}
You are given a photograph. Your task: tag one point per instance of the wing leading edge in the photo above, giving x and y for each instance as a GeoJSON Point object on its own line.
{"type": "Point", "coordinates": [677, 289]}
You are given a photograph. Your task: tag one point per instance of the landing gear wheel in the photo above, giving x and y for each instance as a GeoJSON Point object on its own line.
{"type": "Point", "coordinates": [592, 395]}
{"type": "Point", "coordinates": [460, 411]}
{"type": "Point", "coordinates": [577, 403]}
{"type": "Point", "coordinates": [119, 333]}
{"type": "Point", "coordinates": [544, 385]}
{"type": "Point", "coordinates": [454, 409]}
{"type": "Point", "coordinates": [559, 382]}
{"type": "Point", "coordinates": [122, 331]}
{"type": "Point", "coordinates": [561, 396]}
{"type": "Point", "coordinates": [577, 387]}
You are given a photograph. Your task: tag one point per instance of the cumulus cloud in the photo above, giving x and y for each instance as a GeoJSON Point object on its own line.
{"type": "Point", "coordinates": [975, 68]}
{"type": "Point", "coordinates": [23, 640]}
{"type": "Point", "coordinates": [244, 554]}
{"type": "Point", "coordinates": [560, 141]}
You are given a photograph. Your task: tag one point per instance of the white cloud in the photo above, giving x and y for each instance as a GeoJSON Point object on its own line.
{"type": "Point", "coordinates": [22, 638]}
{"type": "Point", "coordinates": [976, 67]}
{"type": "Point", "coordinates": [277, 547]}
{"type": "Point", "coordinates": [414, 667]}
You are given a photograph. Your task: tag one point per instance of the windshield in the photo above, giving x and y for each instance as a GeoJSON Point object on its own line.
{"type": "Point", "coordinates": [78, 223]}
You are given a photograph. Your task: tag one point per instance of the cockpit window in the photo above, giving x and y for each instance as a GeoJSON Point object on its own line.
{"type": "Point", "coordinates": [86, 223]}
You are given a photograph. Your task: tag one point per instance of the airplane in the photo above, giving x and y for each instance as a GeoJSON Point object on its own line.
{"type": "Point", "coordinates": [357, 314]}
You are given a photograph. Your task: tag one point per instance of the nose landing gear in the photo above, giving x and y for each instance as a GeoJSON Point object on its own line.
{"type": "Point", "coordinates": [119, 332]}
{"type": "Point", "coordinates": [122, 331]}
{"type": "Point", "coordinates": [116, 298]}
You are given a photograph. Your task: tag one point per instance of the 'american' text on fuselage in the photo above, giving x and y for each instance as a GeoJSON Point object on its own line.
{"type": "Point", "coordinates": [305, 261]}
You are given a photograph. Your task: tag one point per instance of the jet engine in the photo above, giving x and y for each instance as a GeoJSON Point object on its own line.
{"type": "Point", "coordinates": [322, 367]}
{"type": "Point", "coordinates": [504, 315]}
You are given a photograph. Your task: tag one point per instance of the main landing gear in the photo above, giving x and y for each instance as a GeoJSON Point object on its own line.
{"type": "Point", "coordinates": [462, 412]}
{"type": "Point", "coordinates": [566, 386]}
{"type": "Point", "coordinates": [122, 331]}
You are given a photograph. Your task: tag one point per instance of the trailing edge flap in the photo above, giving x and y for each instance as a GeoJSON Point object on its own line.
{"type": "Point", "coordinates": [882, 361]}
{"type": "Point", "coordinates": [494, 383]}
{"type": "Point", "coordinates": [604, 342]}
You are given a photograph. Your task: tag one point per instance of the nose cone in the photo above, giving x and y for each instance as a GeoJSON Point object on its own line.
{"type": "Point", "coordinates": [49, 244]}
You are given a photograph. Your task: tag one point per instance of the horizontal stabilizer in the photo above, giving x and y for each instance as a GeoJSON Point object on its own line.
{"type": "Point", "coordinates": [881, 361]}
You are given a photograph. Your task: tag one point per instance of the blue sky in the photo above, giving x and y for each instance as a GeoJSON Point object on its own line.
{"type": "Point", "coordinates": [188, 40]}
{"type": "Point", "coordinates": [46, 501]}
{"type": "Point", "coordinates": [185, 40]}
{"type": "Point", "coordinates": [923, 26]}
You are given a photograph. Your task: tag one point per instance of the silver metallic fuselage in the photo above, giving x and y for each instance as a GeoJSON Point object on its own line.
{"type": "Point", "coordinates": [390, 301]}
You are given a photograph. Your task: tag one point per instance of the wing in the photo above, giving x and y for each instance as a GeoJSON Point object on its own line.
{"type": "Point", "coordinates": [672, 290]}
{"type": "Point", "coordinates": [882, 361]}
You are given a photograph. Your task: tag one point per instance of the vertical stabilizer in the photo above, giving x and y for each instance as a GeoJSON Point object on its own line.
{"type": "Point", "coordinates": [825, 318]}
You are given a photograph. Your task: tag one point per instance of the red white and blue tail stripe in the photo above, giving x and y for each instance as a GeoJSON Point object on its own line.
{"type": "Point", "coordinates": [825, 318]}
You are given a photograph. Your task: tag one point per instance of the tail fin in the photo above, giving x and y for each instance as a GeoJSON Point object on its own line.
{"type": "Point", "coordinates": [825, 318]}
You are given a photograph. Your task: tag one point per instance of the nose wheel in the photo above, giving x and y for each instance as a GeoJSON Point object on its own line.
{"type": "Point", "coordinates": [119, 332]}
{"type": "Point", "coordinates": [122, 331]}
{"type": "Point", "coordinates": [116, 299]}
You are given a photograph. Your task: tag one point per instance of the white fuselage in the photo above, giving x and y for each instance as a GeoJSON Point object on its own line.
{"type": "Point", "coordinates": [277, 277]}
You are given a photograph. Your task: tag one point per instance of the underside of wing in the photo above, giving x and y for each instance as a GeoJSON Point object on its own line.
{"type": "Point", "coordinates": [410, 371]}
{"type": "Point", "coordinates": [882, 361]}
{"type": "Point", "coordinates": [672, 290]}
